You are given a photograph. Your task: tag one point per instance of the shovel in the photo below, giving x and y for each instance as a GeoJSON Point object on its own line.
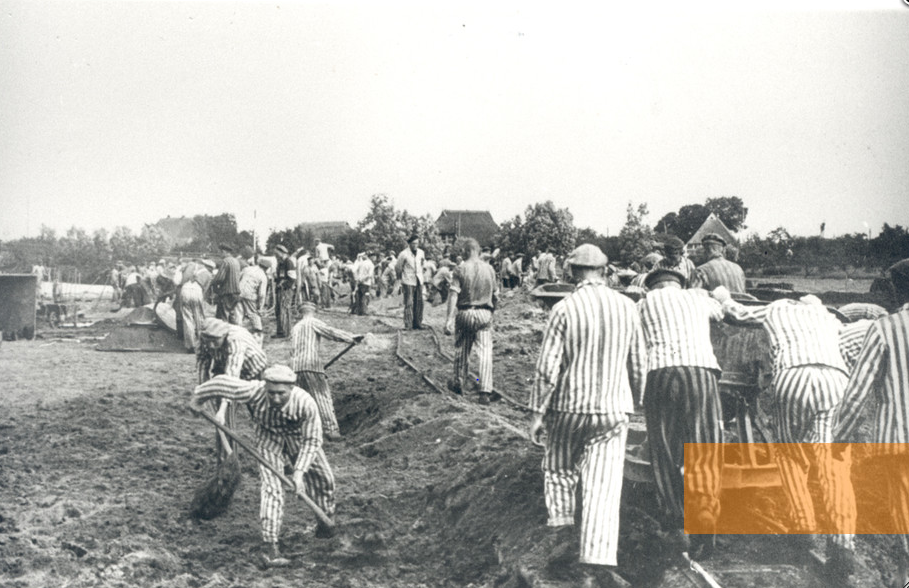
{"type": "Point", "coordinates": [320, 514]}
{"type": "Point", "coordinates": [213, 498]}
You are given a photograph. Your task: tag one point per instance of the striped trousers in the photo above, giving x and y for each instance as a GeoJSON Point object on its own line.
{"type": "Point", "coordinates": [897, 468]}
{"type": "Point", "coordinates": [590, 449]}
{"type": "Point", "coordinates": [319, 481]}
{"type": "Point", "coordinates": [682, 405]}
{"type": "Point", "coordinates": [473, 326]}
{"type": "Point", "coordinates": [317, 385]}
{"type": "Point", "coordinates": [807, 398]}
{"type": "Point", "coordinates": [284, 301]}
{"type": "Point", "coordinates": [413, 306]}
{"type": "Point", "coordinates": [192, 312]}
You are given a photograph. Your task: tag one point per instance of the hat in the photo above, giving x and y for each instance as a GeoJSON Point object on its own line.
{"type": "Point", "coordinates": [281, 248]}
{"type": "Point", "coordinates": [673, 243]}
{"type": "Point", "coordinates": [412, 238]}
{"type": "Point", "coordinates": [280, 374]}
{"type": "Point", "coordinates": [713, 238]}
{"type": "Point", "coordinates": [264, 262]}
{"type": "Point", "coordinates": [857, 311]}
{"type": "Point", "coordinates": [214, 328]}
{"type": "Point", "coordinates": [651, 259]}
{"type": "Point", "coordinates": [663, 275]}
{"type": "Point", "coordinates": [226, 247]}
{"type": "Point", "coordinates": [208, 263]}
{"type": "Point", "coordinates": [588, 255]}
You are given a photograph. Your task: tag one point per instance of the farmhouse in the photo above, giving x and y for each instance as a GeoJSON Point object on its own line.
{"type": "Point", "coordinates": [467, 223]}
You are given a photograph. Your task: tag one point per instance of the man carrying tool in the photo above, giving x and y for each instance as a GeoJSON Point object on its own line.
{"type": "Point", "coordinates": [307, 338]}
{"type": "Point", "coordinates": [882, 370]}
{"type": "Point", "coordinates": [287, 431]}
{"type": "Point", "coordinates": [588, 376]}
{"type": "Point", "coordinates": [682, 404]}
{"type": "Point", "coordinates": [230, 350]}
{"type": "Point", "coordinates": [475, 290]}
{"type": "Point", "coordinates": [809, 381]}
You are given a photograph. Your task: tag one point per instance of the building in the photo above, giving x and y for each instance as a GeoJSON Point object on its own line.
{"type": "Point", "coordinates": [325, 231]}
{"type": "Point", "coordinates": [713, 224]}
{"type": "Point", "coordinates": [467, 223]}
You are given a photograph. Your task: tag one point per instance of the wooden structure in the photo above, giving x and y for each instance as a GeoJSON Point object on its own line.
{"type": "Point", "coordinates": [18, 297]}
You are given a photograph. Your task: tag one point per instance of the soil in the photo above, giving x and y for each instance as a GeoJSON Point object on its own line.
{"type": "Point", "coordinates": [100, 456]}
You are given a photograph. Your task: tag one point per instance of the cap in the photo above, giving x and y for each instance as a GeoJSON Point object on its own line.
{"type": "Point", "coordinates": [663, 275]}
{"type": "Point", "coordinates": [857, 311]}
{"type": "Point", "coordinates": [280, 374]}
{"type": "Point", "coordinates": [307, 305]}
{"type": "Point", "coordinates": [713, 238]}
{"type": "Point", "coordinates": [281, 248]}
{"type": "Point", "coordinates": [673, 243]}
{"type": "Point", "coordinates": [588, 255]}
{"type": "Point", "coordinates": [651, 259]}
{"type": "Point", "coordinates": [208, 263]}
{"type": "Point", "coordinates": [900, 268]}
{"type": "Point", "coordinates": [264, 262]}
{"type": "Point", "coordinates": [226, 247]}
{"type": "Point", "coordinates": [214, 328]}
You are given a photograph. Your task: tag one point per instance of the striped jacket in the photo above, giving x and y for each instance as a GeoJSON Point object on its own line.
{"type": "Point", "coordinates": [721, 272]}
{"type": "Point", "coordinates": [800, 334]}
{"type": "Point", "coordinates": [592, 356]}
{"type": "Point", "coordinates": [240, 357]}
{"type": "Point", "coordinates": [676, 327]}
{"type": "Point", "coordinates": [882, 368]}
{"type": "Point", "coordinates": [851, 338]}
{"type": "Point", "coordinates": [307, 336]}
{"type": "Point", "coordinates": [298, 418]}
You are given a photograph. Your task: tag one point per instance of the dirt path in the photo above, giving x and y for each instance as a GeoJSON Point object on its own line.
{"type": "Point", "coordinates": [99, 457]}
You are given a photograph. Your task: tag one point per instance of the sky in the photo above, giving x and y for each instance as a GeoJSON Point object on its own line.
{"type": "Point", "coordinates": [122, 113]}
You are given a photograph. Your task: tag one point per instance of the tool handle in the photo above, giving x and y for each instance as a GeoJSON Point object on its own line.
{"type": "Point", "coordinates": [338, 356]}
{"type": "Point", "coordinates": [320, 514]}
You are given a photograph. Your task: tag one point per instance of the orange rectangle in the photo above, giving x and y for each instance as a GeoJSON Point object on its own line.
{"type": "Point", "coordinates": [792, 488]}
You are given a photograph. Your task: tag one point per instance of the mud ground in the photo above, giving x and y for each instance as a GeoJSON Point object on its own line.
{"type": "Point", "coordinates": [100, 456]}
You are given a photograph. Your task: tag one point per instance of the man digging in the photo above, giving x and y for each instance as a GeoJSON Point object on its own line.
{"type": "Point", "coordinates": [288, 430]}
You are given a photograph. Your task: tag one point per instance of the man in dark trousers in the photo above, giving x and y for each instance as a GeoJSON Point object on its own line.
{"type": "Point", "coordinates": [225, 287]}
{"type": "Point", "coordinates": [475, 289]}
{"type": "Point", "coordinates": [409, 269]}
{"type": "Point", "coordinates": [285, 282]}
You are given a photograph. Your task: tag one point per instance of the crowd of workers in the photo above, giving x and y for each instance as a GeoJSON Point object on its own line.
{"type": "Point", "coordinates": [603, 357]}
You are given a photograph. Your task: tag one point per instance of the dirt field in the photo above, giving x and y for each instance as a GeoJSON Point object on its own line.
{"type": "Point", "coordinates": [100, 455]}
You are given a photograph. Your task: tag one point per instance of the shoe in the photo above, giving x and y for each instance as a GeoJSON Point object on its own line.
{"type": "Point", "coordinates": [288, 470]}
{"type": "Point", "coordinates": [333, 436]}
{"type": "Point", "coordinates": [279, 336]}
{"type": "Point", "coordinates": [454, 387]}
{"type": "Point", "coordinates": [484, 398]}
{"type": "Point", "coordinates": [840, 561]}
{"type": "Point", "coordinates": [323, 531]}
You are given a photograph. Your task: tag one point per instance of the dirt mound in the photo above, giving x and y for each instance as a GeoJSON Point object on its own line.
{"type": "Point", "coordinates": [140, 338]}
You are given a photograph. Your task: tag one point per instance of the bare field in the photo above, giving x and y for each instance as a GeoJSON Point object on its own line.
{"type": "Point", "coordinates": [100, 455]}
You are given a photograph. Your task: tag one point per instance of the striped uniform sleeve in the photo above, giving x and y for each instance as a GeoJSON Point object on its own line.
{"type": "Point", "coordinates": [302, 407]}
{"type": "Point", "coordinates": [226, 387]}
{"type": "Point", "coordinates": [332, 333]}
{"type": "Point", "coordinates": [637, 359]}
{"type": "Point", "coordinates": [866, 376]}
{"type": "Point", "coordinates": [851, 338]}
{"type": "Point", "coordinates": [549, 362]}
{"type": "Point", "coordinates": [203, 364]}
{"type": "Point", "coordinates": [738, 311]}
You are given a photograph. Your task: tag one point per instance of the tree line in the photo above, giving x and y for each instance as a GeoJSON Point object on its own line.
{"type": "Point", "coordinates": [543, 226]}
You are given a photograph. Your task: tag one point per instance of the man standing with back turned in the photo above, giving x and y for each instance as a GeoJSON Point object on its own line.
{"type": "Point", "coordinates": [588, 376]}
{"type": "Point", "coordinates": [475, 289]}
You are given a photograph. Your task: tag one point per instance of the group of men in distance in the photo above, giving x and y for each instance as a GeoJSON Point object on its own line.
{"type": "Point", "coordinates": [604, 356]}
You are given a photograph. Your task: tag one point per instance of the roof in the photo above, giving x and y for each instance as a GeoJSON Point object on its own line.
{"type": "Point", "coordinates": [468, 223]}
{"type": "Point", "coordinates": [713, 224]}
{"type": "Point", "coordinates": [327, 229]}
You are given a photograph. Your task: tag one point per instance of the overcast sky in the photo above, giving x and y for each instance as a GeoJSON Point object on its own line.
{"type": "Point", "coordinates": [122, 113]}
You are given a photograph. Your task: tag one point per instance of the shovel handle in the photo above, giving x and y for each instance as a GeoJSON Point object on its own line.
{"type": "Point", "coordinates": [320, 514]}
{"type": "Point", "coordinates": [338, 356]}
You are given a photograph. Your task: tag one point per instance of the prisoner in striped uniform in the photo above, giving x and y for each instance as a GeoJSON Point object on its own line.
{"type": "Point", "coordinates": [287, 431]}
{"type": "Point", "coordinates": [809, 378]}
{"type": "Point", "coordinates": [230, 350]}
{"type": "Point", "coordinates": [307, 337]}
{"type": "Point", "coordinates": [285, 282]}
{"type": "Point", "coordinates": [470, 309]}
{"type": "Point", "coordinates": [882, 369]}
{"type": "Point", "coordinates": [674, 259]}
{"type": "Point", "coordinates": [588, 374]}
{"type": "Point", "coordinates": [719, 271]}
{"type": "Point", "coordinates": [192, 311]}
{"type": "Point", "coordinates": [253, 289]}
{"type": "Point", "coordinates": [682, 400]}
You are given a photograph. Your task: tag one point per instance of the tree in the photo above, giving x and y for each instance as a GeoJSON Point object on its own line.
{"type": "Point", "coordinates": [636, 237]}
{"type": "Point", "coordinates": [383, 226]}
{"type": "Point", "coordinates": [548, 227]}
{"type": "Point", "coordinates": [667, 224]}
{"type": "Point", "coordinates": [730, 209]}
{"type": "Point", "coordinates": [890, 246]}
{"type": "Point", "coordinates": [690, 219]}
